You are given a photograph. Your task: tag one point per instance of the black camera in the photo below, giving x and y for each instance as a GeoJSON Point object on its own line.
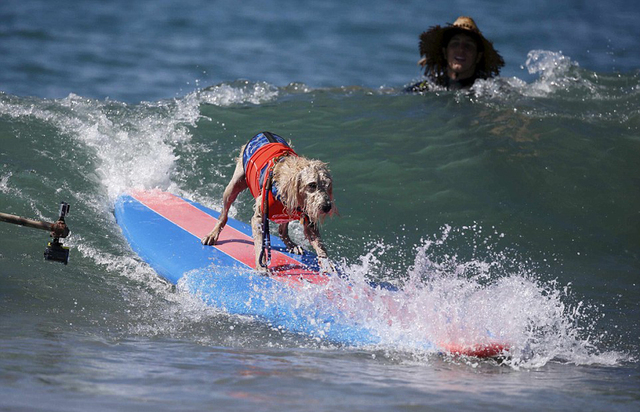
{"type": "Point", "coordinates": [55, 251]}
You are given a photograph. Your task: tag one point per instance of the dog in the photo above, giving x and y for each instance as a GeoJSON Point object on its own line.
{"type": "Point", "coordinates": [286, 188]}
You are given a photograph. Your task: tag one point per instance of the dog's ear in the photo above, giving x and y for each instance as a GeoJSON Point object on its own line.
{"type": "Point", "coordinates": [334, 209]}
{"type": "Point", "coordinates": [289, 185]}
{"type": "Point", "coordinates": [299, 191]}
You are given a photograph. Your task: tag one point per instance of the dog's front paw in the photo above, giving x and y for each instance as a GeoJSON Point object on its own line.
{"type": "Point", "coordinates": [296, 250]}
{"type": "Point", "coordinates": [326, 266]}
{"type": "Point", "coordinates": [210, 239]}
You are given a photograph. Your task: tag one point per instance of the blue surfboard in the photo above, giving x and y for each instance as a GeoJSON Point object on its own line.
{"type": "Point", "coordinates": [165, 231]}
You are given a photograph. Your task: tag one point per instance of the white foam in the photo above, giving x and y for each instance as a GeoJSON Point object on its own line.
{"type": "Point", "coordinates": [239, 92]}
{"type": "Point", "coordinates": [134, 145]}
{"type": "Point", "coordinates": [555, 72]}
{"type": "Point", "coordinates": [447, 300]}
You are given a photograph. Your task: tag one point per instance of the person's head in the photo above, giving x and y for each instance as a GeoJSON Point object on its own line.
{"type": "Point", "coordinates": [462, 53]}
{"type": "Point", "coordinates": [459, 51]}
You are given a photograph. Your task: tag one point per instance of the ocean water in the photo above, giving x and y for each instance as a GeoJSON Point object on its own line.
{"type": "Point", "coordinates": [515, 207]}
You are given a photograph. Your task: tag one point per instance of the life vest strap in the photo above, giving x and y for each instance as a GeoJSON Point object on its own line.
{"type": "Point", "coordinates": [266, 189]}
{"type": "Point", "coordinates": [270, 137]}
{"type": "Point", "coordinates": [266, 235]}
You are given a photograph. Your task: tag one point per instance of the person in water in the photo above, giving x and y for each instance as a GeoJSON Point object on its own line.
{"type": "Point", "coordinates": [455, 56]}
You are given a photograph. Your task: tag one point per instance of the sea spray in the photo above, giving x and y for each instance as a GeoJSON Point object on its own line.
{"type": "Point", "coordinates": [444, 300]}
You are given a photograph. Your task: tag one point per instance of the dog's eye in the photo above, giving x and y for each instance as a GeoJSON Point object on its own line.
{"type": "Point", "coordinates": [312, 187]}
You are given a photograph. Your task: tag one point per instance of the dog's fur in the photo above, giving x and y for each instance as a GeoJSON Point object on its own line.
{"type": "Point", "coordinates": [302, 183]}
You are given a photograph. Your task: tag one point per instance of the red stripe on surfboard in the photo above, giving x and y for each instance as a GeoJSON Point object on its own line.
{"type": "Point", "coordinates": [231, 241]}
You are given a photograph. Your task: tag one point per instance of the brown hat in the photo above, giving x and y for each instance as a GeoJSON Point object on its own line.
{"type": "Point", "coordinates": [436, 38]}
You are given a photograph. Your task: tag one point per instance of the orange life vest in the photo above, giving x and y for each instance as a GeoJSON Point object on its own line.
{"type": "Point", "coordinates": [259, 157]}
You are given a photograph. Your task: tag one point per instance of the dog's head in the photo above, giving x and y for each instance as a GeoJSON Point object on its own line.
{"type": "Point", "coordinates": [307, 185]}
{"type": "Point", "coordinates": [316, 191]}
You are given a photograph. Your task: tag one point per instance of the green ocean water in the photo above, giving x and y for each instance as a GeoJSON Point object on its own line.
{"type": "Point", "coordinates": [503, 176]}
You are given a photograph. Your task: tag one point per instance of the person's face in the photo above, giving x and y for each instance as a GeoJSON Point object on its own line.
{"type": "Point", "coordinates": [462, 56]}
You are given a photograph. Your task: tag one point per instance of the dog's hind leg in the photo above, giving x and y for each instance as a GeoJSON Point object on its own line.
{"type": "Point", "coordinates": [237, 184]}
{"type": "Point", "coordinates": [283, 231]}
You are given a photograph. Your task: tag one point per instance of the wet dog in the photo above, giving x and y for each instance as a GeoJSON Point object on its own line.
{"type": "Point", "coordinates": [286, 187]}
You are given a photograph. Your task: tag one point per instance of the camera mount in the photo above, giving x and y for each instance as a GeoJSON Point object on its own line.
{"type": "Point", "coordinates": [55, 251]}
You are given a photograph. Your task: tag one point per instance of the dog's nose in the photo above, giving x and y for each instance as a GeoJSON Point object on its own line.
{"type": "Point", "coordinates": [326, 208]}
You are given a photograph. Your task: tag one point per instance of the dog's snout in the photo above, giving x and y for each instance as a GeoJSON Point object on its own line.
{"type": "Point", "coordinates": [326, 207]}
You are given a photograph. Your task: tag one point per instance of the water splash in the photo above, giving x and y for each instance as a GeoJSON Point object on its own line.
{"type": "Point", "coordinates": [132, 146]}
{"type": "Point", "coordinates": [443, 301]}
{"type": "Point", "coordinates": [239, 92]}
{"type": "Point", "coordinates": [562, 89]}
